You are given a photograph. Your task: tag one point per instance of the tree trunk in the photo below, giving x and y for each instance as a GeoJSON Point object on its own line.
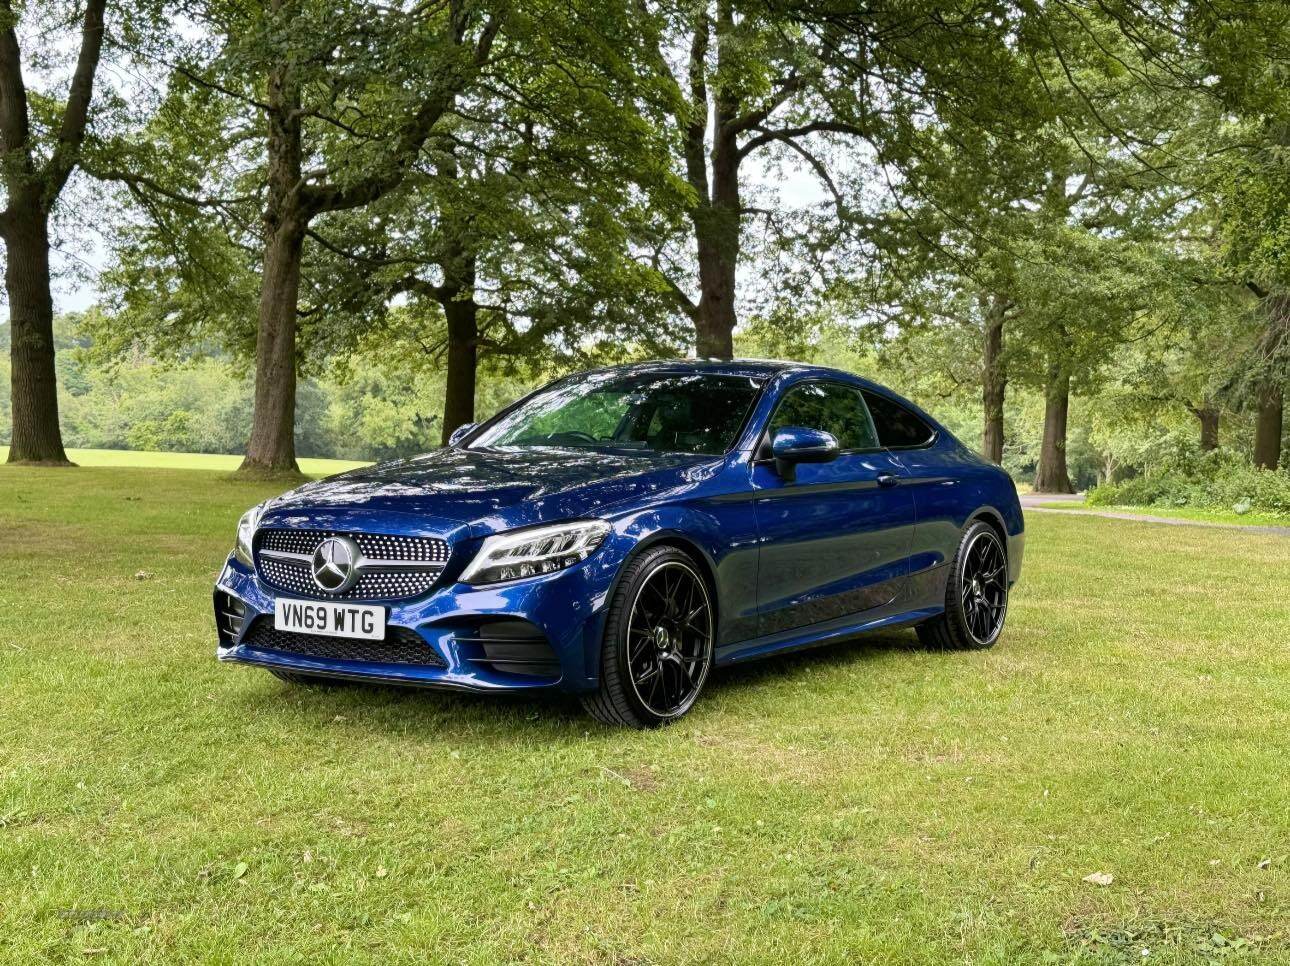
{"type": "Point", "coordinates": [462, 314]}
{"type": "Point", "coordinates": [1209, 417]}
{"type": "Point", "coordinates": [1052, 475]}
{"type": "Point", "coordinates": [32, 191]}
{"type": "Point", "coordinates": [272, 449]}
{"type": "Point", "coordinates": [34, 390]}
{"type": "Point", "coordinates": [716, 233]}
{"type": "Point", "coordinates": [1268, 427]}
{"type": "Point", "coordinates": [994, 382]}
{"type": "Point", "coordinates": [716, 213]}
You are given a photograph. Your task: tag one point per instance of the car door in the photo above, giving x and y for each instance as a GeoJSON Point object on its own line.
{"type": "Point", "coordinates": [835, 540]}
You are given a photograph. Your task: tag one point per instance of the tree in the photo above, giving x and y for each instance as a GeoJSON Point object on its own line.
{"type": "Point", "coordinates": [1234, 52]}
{"type": "Point", "coordinates": [1040, 255]}
{"type": "Point", "coordinates": [40, 147]}
{"type": "Point", "coordinates": [322, 109]}
{"type": "Point", "coordinates": [513, 237]}
{"type": "Point", "coordinates": [829, 86]}
{"type": "Point", "coordinates": [1254, 222]}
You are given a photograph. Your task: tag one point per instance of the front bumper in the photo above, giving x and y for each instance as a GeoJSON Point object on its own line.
{"type": "Point", "coordinates": [566, 607]}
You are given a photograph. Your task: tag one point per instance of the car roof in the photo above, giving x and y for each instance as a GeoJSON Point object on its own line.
{"type": "Point", "coordinates": [762, 369]}
{"type": "Point", "coordinates": [754, 368]}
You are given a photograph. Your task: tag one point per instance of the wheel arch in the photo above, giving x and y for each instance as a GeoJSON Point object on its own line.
{"type": "Point", "coordinates": [687, 545]}
{"type": "Point", "coordinates": [992, 518]}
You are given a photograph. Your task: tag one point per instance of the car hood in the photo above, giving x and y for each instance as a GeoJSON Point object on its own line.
{"type": "Point", "coordinates": [492, 489]}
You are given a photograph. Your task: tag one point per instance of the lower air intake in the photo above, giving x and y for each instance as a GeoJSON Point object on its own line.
{"type": "Point", "coordinates": [229, 614]}
{"type": "Point", "coordinates": [402, 645]}
{"type": "Point", "coordinates": [511, 647]}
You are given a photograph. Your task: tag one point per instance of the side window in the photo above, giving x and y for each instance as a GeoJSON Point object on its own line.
{"type": "Point", "coordinates": [898, 428]}
{"type": "Point", "coordinates": [829, 406]}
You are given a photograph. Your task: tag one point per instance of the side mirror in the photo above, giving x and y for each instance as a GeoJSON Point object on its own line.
{"type": "Point", "coordinates": [461, 432]}
{"type": "Point", "coordinates": [798, 444]}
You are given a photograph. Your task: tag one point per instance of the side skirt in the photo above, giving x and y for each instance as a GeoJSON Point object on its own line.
{"type": "Point", "coordinates": [817, 636]}
{"type": "Point", "coordinates": [923, 599]}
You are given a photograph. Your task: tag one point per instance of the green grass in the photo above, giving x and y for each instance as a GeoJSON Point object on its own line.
{"type": "Point", "coordinates": [185, 461]}
{"type": "Point", "coordinates": [1181, 513]}
{"type": "Point", "coordinates": [871, 802]}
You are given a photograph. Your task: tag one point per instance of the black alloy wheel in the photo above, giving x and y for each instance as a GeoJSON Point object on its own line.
{"type": "Point", "coordinates": [976, 594]}
{"type": "Point", "coordinates": [658, 645]}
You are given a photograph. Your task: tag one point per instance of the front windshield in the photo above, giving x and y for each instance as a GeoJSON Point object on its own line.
{"type": "Point", "coordinates": [677, 412]}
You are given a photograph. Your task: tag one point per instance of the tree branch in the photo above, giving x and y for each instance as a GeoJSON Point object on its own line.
{"type": "Point", "coordinates": [14, 124]}
{"type": "Point", "coordinates": [696, 125]}
{"type": "Point", "coordinates": [71, 132]}
{"type": "Point", "coordinates": [143, 181]}
{"type": "Point", "coordinates": [789, 86]}
{"type": "Point", "coordinates": [768, 135]}
{"type": "Point", "coordinates": [822, 172]}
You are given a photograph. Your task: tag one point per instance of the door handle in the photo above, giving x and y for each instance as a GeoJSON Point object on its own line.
{"type": "Point", "coordinates": [888, 479]}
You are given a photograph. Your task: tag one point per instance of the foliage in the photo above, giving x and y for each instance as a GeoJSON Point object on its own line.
{"type": "Point", "coordinates": [853, 99]}
{"type": "Point", "coordinates": [1219, 480]}
{"type": "Point", "coordinates": [372, 405]}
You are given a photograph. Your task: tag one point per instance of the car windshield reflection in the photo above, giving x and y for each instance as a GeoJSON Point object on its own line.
{"type": "Point", "coordinates": [696, 413]}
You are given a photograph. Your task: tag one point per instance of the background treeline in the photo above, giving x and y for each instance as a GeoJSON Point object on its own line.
{"type": "Point", "coordinates": [346, 228]}
{"type": "Point", "coordinates": [374, 407]}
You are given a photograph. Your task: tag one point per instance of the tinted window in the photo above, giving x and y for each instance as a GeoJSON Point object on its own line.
{"type": "Point", "coordinates": [829, 406]}
{"type": "Point", "coordinates": [666, 412]}
{"type": "Point", "coordinates": [897, 426]}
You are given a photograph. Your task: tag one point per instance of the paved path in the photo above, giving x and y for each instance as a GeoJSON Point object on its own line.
{"type": "Point", "coordinates": [1031, 503]}
{"type": "Point", "coordinates": [1032, 500]}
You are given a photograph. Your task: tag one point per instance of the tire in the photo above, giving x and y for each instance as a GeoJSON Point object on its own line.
{"type": "Point", "coordinates": [309, 680]}
{"type": "Point", "coordinates": [654, 648]}
{"type": "Point", "coordinates": [968, 595]}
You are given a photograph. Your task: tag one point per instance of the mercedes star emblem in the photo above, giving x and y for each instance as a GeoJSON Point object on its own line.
{"type": "Point", "coordinates": [335, 565]}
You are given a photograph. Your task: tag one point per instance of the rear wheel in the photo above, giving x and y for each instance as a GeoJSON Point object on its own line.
{"type": "Point", "coordinates": [976, 594]}
{"type": "Point", "coordinates": [658, 645]}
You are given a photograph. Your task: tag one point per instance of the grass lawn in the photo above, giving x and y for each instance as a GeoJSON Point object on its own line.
{"type": "Point", "coordinates": [1181, 513]}
{"type": "Point", "coordinates": [185, 461]}
{"type": "Point", "coordinates": [867, 803]}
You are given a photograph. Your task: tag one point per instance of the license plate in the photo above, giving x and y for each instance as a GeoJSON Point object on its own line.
{"type": "Point", "coordinates": [333, 620]}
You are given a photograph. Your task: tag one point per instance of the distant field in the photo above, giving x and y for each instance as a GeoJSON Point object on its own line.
{"type": "Point", "coordinates": [872, 802]}
{"type": "Point", "coordinates": [185, 461]}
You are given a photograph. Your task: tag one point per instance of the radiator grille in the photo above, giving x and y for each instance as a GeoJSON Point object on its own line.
{"type": "Point", "coordinates": [402, 645]}
{"type": "Point", "coordinates": [417, 563]}
{"type": "Point", "coordinates": [378, 546]}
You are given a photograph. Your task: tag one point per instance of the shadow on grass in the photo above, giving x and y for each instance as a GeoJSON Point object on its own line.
{"type": "Point", "coordinates": [488, 718]}
{"type": "Point", "coordinates": [846, 653]}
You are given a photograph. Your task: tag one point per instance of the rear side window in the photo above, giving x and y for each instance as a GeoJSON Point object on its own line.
{"type": "Point", "coordinates": [897, 427]}
{"type": "Point", "coordinates": [829, 406]}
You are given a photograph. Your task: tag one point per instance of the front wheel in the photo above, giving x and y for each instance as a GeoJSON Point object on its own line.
{"type": "Point", "coordinates": [976, 594]}
{"type": "Point", "coordinates": [658, 645]}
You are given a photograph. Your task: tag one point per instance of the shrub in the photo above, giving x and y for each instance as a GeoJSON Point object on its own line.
{"type": "Point", "coordinates": [1211, 481]}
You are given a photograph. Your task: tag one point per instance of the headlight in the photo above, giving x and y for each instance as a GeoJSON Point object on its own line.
{"type": "Point", "coordinates": [541, 550]}
{"type": "Point", "coordinates": [246, 532]}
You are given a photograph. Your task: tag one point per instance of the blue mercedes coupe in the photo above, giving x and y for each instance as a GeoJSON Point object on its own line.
{"type": "Point", "coordinates": [617, 534]}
